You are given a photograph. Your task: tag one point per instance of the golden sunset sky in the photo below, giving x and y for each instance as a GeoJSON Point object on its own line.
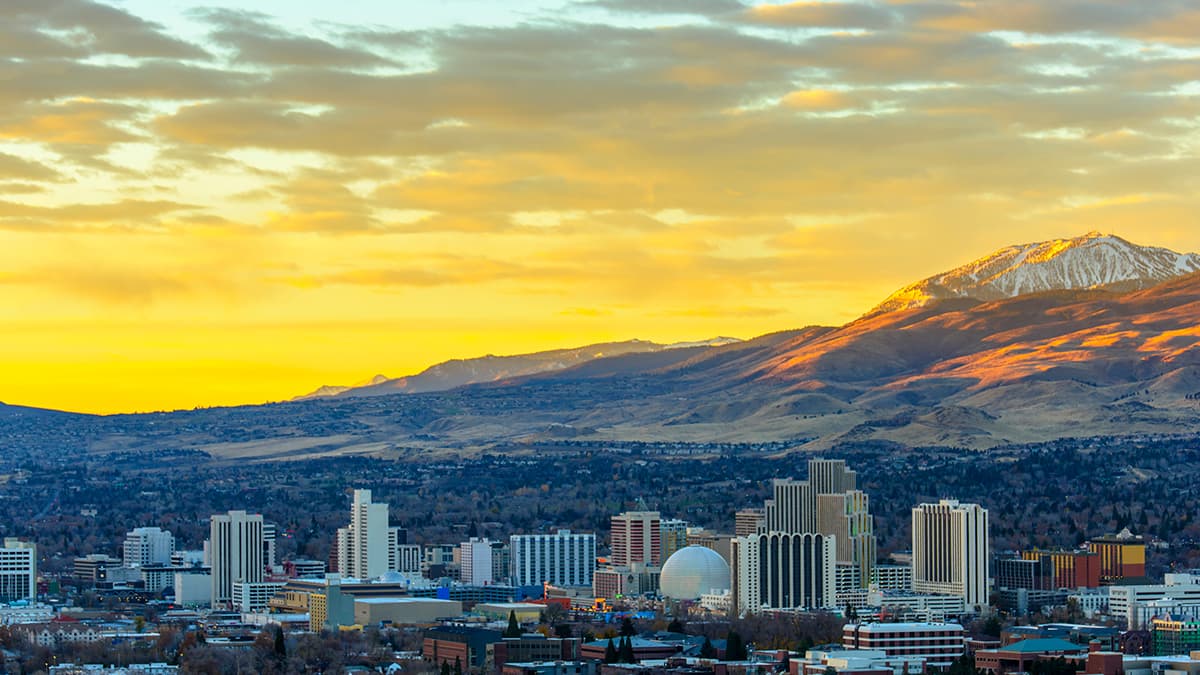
{"type": "Point", "coordinates": [208, 206]}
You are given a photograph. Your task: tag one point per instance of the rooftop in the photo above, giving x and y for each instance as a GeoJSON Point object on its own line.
{"type": "Point", "coordinates": [1042, 645]}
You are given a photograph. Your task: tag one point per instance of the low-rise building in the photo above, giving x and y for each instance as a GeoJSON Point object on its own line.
{"type": "Point", "coordinates": [938, 643]}
{"type": "Point", "coordinates": [1017, 657]}
{"type": "Point", "coordinates": [401, 611]}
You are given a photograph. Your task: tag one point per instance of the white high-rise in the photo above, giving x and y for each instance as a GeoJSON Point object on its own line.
{"type": "Point", "coordinates": [18, 570]}
{"type": "Point", "coordinates": [561, 559]}
{"type": "Point", "coordinates": [784, 571]}
{"type": "Point", "coordinates": [148, 546]}
{"type": "Point", "coordinates": [236, 552]}
{"type": "Point", "coordinates": [950, 550]}
{"type": "Point", "coordinates": [476, 561]}
{"type": "Point", "coordinates": [367, 547]}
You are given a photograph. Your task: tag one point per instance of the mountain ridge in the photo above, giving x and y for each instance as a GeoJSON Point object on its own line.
{"type": "Point", "coordinates": [1090, 261]}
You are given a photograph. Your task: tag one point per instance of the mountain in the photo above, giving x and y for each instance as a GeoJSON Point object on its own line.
{"type": "Point", "coordinates": [1093, 260]}
{"type": "Point", "coordinates": [960, 371]}
{"type": "Point", "coordinates": [459, 372]}
{"type": "Point", "coordinates": [335, 389]}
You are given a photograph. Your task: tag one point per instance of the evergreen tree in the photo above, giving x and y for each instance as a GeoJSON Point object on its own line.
{"type": "Point", "coordinates": [514, 628]}
{"type": "Point", "coordinates": [562, 630]}
{"type": "Point", "coordinates": [458, 666]}
{"type": "Point", "coordinates": [280, 644]}
{"type": "Point", "coordinates": [445, 668]}
{"type": "Point", "coordinates": [626, 650]}
{"type": "Point", "coordinates": [707, 650]}
{"type": "Point", "coordinates": [627, 627]}
{"type": "Point", "coordinates": [676, 626]}
{"type": "Point", "coordinates": [610, 652]}
{"type": "Point", "coordinates": [735, 649]}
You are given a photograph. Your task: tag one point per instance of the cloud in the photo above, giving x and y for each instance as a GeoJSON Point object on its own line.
{"type": "Point", "coordinates": [126, 215]}
{"type": "Point", "coordinates": [64, 28]}
{"type": "Point", "coordinates": [254, 40]}
{"type": "Point", "coordinates": [697, 7]}
{"type": "Point", "coordinates": [23, 169]}
{"type": "Point", "coordinates": [822, 13]}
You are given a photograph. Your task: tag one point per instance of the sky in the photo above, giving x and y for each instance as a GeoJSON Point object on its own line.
{"type": "Point", "coordinates": [205, 204]}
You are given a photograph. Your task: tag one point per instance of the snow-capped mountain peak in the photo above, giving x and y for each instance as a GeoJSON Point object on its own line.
{"type": "Point", "coordinates": [1093, 260]}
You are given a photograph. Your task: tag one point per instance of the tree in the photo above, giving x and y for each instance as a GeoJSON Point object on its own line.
{"type": "Point", "coordinates": [627, 627]}
{"type": "Point", "coordinates": [280, 644]}
{"type": "Point", "coordinates": [626, 650]}
{"type": "Point", "coordinates": [707, 650]}
{"type": "Point", "coordinates": [610, 652]}
{"type": "Point", "coordinates": [458, 666]}
{"type": "Point", "coordinates": [676, 626]}
{"type": "Point", "coordinates": [562, 630]}
{"type": "Point", "coordinates": [514, 628]}
{"type": "Point", "coordinates": [735, 648]}
{"type": "Point", "coordinates": [445, 668]}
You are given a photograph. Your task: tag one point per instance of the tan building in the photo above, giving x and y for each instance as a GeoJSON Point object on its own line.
{"type": "Point", "coordinates": [395, 611]}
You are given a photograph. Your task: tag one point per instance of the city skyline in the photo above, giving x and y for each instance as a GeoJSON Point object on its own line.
{"type": "Point", "coordinates": [205, 206]}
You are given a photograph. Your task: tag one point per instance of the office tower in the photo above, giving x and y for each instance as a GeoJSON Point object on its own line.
{"type": "Point", "coordinates": [476, 561]}
{"type": "Point", "coordinates": [636, 538]}
{"type": "Point", "coordinates": [148, 546]}
{"type": "Point", "coordinates": [950, 550]}
{"type": "Point", "coordinates": [828, 503]}
{"type": "Point", "coordinates": [748, 522]}
{"type": "Point", "coordinates": [847, 517]}
{"type": "Point", "coordinates": [18, 570]}
{"type": "Point", "coordinates": [236, 548]}
{"type": "Point", "coordinates": [794, 504]}
{"type": "Point", "coordinates": [674, 536]}
{"type": "Point", "coordinates": [367, 547]}
{"type": "Point", "coordinates": [784, 570]}
{"type": "Point", "coordinates": [561, 559]}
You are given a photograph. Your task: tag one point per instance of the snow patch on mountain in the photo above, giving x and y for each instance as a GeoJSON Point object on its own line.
{"type": "Point", "coordinates": [1091, 261]}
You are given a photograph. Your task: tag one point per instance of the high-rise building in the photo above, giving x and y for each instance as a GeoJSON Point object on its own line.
{"type": "Point", "coordinates": [847, 517]}
{"type": "Point", "coordinates": [636, 538]}
{"type": "Point", "coordinates": [18, 570]}
{"type": "Point", "coordinates": [148, 546]}
{"type": "Point", "coordinates": [367, 548]}
{"type": "Point", "coordinates": [236, 551]}
{"type": "Point", "coordinates": [269, 534]}
{"type": "Point", "coordinates": [950, 550]}
{"type": "Point", "coordinates": [674, 536]}
{"type": "Point", "coordinates": [476, 562]}
{"type": "Point", "coordinates": [780, 570]}
{"type": "Point", "coordinates": [794, 504]}
{"type": "Point", "coordinates": [826, 503]}
{"type": "Point", "coordinates": [562, 559]}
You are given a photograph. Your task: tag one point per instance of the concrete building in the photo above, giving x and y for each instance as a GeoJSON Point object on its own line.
{"type": "Point", "coordinates": [938, 643]}
{"type": "Point", "coordinates": [674, 536]}
{"type": "Point", "coordinates": [1122, 556]}
{"type": "Point", "coordinates": [193, 587]}
{"type": "Point", "coordinates": [1136, 605]}
{"type": "Point", "coordinates": [237, 552]}
{"type": "Point", "coordinates": [855, 662]}
{"type": "Point", "coordinates": [476, 561]}
{"type": "Point", "coordinates": [636, 538]}
{"type": "Point", "coordinates": [94, 567]}
{"type": "Point", "coordinates": [148, 546]}
{"type": "Point", "coordinates": [560, 559]}
{"type": "Point", "coordinates": [784, 571]}
{"type": "Point", "coordinates": [403, 611]}
{"type": "Point", "coordinates": [951, 550]}
{"type": "Point", "coordinates": [1070, 569]}
{"type": "Point", "coordinates": [254, 596]}
{"type": "Point", "coordinates": [302, 568]}
{"type": "Point", "coordinates": [748, 521]}
{"type": "Point", "coordinates": [18, 570]}
{"type": "Point", "coordinates": [891, 578]}
{"type": "Point", "coordinates": [408, 559]}
{"type": "Point", "coordinates": [367, 546]}
{"type": "Point", "coordinates": [465, 645]}
{"type": "Point", "coordinates": [793, 507]}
